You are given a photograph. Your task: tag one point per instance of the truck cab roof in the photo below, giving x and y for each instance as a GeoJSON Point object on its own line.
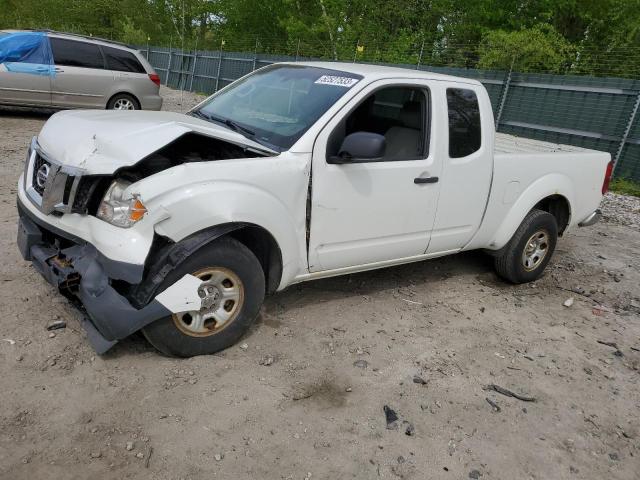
{"type": "Point", "coordinates": [377, 72]}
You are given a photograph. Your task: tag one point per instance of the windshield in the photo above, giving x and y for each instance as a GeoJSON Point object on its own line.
{"type": "Point", "coordinates": [277, 104]}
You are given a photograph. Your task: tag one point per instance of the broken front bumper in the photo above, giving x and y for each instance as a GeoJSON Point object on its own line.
{"type": "Point", "coordinates": [85, 276]}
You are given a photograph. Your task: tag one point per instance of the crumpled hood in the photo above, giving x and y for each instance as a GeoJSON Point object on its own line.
{"type": "Point", "coordinates": [101, 141]}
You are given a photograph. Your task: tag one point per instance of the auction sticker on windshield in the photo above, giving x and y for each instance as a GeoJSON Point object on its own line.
{"type": "Point", "coordinates": [335, 80]}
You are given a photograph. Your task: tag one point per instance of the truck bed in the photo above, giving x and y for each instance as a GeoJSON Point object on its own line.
{"type": "Point", "coordinates": [505, 143]}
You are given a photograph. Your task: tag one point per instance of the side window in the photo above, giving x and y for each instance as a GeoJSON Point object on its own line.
{"type": "Point", "coordinates": [464, 122]}
{"type": "Point", "coordinates": [400, 114]}
{"type": "Point", "coordinates": [71, 53]}
{"type": "Point", "coordinates": [122, 61]}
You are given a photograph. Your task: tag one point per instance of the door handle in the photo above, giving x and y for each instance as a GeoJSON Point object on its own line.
{"type": "Point", "coordinates": [59, 70]}
{"type": "Point", "coordinates": [419, 180]}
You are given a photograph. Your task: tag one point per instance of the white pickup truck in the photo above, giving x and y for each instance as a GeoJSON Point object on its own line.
{"type": "Point", "coordinates": [178, 225]}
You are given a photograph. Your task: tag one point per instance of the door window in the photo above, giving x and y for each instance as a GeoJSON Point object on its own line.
{"type": "Point", "coordinates": [400, 114]}
{"type": "Point", "coordinates": [464, 122]}
{"type": "Point", "coordinates": [71, 53]}
{"type": "Point", "coordinates": [122, 61]}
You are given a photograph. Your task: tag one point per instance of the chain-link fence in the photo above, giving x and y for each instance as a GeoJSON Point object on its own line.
{"type": "Point", "coordinates": [600, 113]}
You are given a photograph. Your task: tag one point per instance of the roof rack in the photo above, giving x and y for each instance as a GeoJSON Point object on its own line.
{"type": "Point", "coordinates": [88, 37]}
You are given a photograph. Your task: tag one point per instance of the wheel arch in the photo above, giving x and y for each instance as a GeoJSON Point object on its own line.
{"type": "Point", "coordinates": [123, 92]}
{"type": "Point", "coordinates": [553, 193]}
{"type": "Point", "coordinates": [165, 255]}
{"type": "Point", "coordinates": [558, 206]}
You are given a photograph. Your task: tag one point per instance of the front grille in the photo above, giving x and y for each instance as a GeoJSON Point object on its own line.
{"type": "Point", "coordinates": [37, 165]}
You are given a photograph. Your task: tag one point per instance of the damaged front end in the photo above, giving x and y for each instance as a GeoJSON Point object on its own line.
{"type": "Point", "coordinates": [117, 297]}
{"type": "Point", "coordinates": [85, 276]}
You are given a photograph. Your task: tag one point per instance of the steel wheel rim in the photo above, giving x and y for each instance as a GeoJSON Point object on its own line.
{"type": "Point", "coordinates": [222, 294]}
{"type": "Point", "coordinates": [123, 104]}
{"type": "Point", "coordinates": [535, 250]}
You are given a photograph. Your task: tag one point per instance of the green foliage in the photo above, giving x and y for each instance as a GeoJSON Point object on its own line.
{"type": "Point", "coordinates": [596, 37]}
{"type": "Point", "coordinates": [537, 49]}
{"type": "Point", "coordinates": [625, 186]}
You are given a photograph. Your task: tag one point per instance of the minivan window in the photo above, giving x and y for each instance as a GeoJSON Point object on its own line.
{"type": "Point", "coordinates": [464, 122]}
{"type": "Point", "coordinates": [70, 53]}
{"type": "Point", "coordinates": [122, 61]}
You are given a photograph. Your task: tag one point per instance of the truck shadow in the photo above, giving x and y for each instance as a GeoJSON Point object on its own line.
{"type": "Point", "coordinates": [419, 275]}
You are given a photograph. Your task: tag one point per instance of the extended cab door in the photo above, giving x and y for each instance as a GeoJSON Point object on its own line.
{"type": "Point", "coordinates": [376, 211]}
{"type": "Point", "coordinates": [80, 79]}
{"type": "Point", "coordinates": [467, 166]}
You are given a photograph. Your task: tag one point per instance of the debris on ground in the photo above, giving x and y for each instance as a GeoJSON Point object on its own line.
{"type": "Point", "coordinates": [410, 430]}
{"type": "Point", "coordinates": [419, 380]}
{"type": "Point", "coordinates": [496, 408]}
{"type": "Point", "coordinates": [617, 353]}
{"type": "Point", "coordinates": [361, 364]}
{"type": "Point", "coordinates": [508, 393]}
{"type": "Point", "coordinates": [391, 417]}
{"type": "Point", "coordinates": [568, 302]}
{"type": "Point", "coordinates": [57, 325]}
{"type": "Point", "coordinates": [267, 360]}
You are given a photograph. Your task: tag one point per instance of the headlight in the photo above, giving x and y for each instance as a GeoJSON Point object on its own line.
{"type": "Point", "coordinates": [118, 209]}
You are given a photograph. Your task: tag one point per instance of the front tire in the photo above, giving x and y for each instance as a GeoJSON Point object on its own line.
{"type": "Point", "coordinates": [528, 252]}
{"type": "Point", "coordinates": [232, 289]}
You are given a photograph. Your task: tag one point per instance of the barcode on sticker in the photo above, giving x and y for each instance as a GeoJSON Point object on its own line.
{"type": "Point", "coordinates": [335, 80]}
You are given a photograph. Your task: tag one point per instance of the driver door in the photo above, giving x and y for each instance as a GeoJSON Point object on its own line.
{"type": "Point", "coordinates": [377, 211]}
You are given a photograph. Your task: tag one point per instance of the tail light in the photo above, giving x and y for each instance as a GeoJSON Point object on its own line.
{"type": "Point", "coordinates": [155, 78]}
{"type": "Point", "coordinates": [607, 177]}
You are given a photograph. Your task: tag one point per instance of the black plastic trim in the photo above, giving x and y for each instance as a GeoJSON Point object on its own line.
{"type": "Point", "coordinates": [129, 272]}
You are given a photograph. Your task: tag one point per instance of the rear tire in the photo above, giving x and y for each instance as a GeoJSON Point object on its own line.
{"type": "Point", "coordinates": [528, 252]}
{"type": "Point", "coordinates": [187, 334]}
{"type": "Point", "coordinates": [123, 101]}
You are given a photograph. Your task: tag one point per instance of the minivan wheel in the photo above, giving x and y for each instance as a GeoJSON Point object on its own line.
{"type": "Point", "coordinates": [232, 289]}
{"type": "Point", "coordinates": [528, 252]}
{"type": "Point", "coordinates": [123, 101]}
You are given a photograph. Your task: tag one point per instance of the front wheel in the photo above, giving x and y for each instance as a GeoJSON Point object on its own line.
{"type": "Point", "coordinates": [232, 290]}
{"type": "Point", "coordinates": [528, 252]}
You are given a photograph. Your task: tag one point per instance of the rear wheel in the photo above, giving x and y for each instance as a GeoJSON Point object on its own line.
{"type": "Point", "coordinates": [123, 101]}
{"type": "Point", "coordinates": [528, 252]}
{"type": "Point", "coordinates": [232, 290]}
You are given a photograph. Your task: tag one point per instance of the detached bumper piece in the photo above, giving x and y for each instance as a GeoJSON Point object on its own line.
{"type": "Point", "coordinates": [591, 219]}
{"type": "Point", "coordinates": [76, 270]}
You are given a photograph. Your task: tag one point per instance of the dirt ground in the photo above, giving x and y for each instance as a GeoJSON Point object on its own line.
{"type": "Point", "coordinates": [303, 395]}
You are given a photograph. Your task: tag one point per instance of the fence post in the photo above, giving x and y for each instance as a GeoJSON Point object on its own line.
{"type": "Point", "coordinates": [255, 56]}
{"type": "Point", "coordinates": [193, 69]}
{"type": "Point", "coordinates": [298, 50]}
{"type": "Point", "coordinates": [166, 80]}
{"type": "Point", "coordinates": [505, 92]}
{"type": "Point", "coordinates": [219, 66]}
{"type": "Point", "coordinates": [627, 130]}
{"type": "Point", "coordinates": [420, 57]}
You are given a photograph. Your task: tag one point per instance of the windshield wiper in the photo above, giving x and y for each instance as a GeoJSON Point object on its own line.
{"type": "Point", "coordinates": [236, 127]}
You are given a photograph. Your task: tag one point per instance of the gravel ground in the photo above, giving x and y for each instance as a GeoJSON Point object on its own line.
{"type": "Point", "coordinates": [312, 391]}
{"type": "Point", "coordinates": [621, 210]}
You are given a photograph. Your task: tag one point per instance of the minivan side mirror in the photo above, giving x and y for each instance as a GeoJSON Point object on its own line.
{"type": "Point", "coordinates": [360, 147]}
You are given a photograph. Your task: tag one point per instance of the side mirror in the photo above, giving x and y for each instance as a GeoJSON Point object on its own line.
{"type": "Point", "coordinates": [360, 147]}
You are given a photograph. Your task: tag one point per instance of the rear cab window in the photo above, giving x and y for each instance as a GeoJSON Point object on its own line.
{"type": "Point", "coordinates": [72, 53]}
{"type": "Point", "coordinates": [465, 133]}
{"type": "Point", "coordinates": [122, 61]}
